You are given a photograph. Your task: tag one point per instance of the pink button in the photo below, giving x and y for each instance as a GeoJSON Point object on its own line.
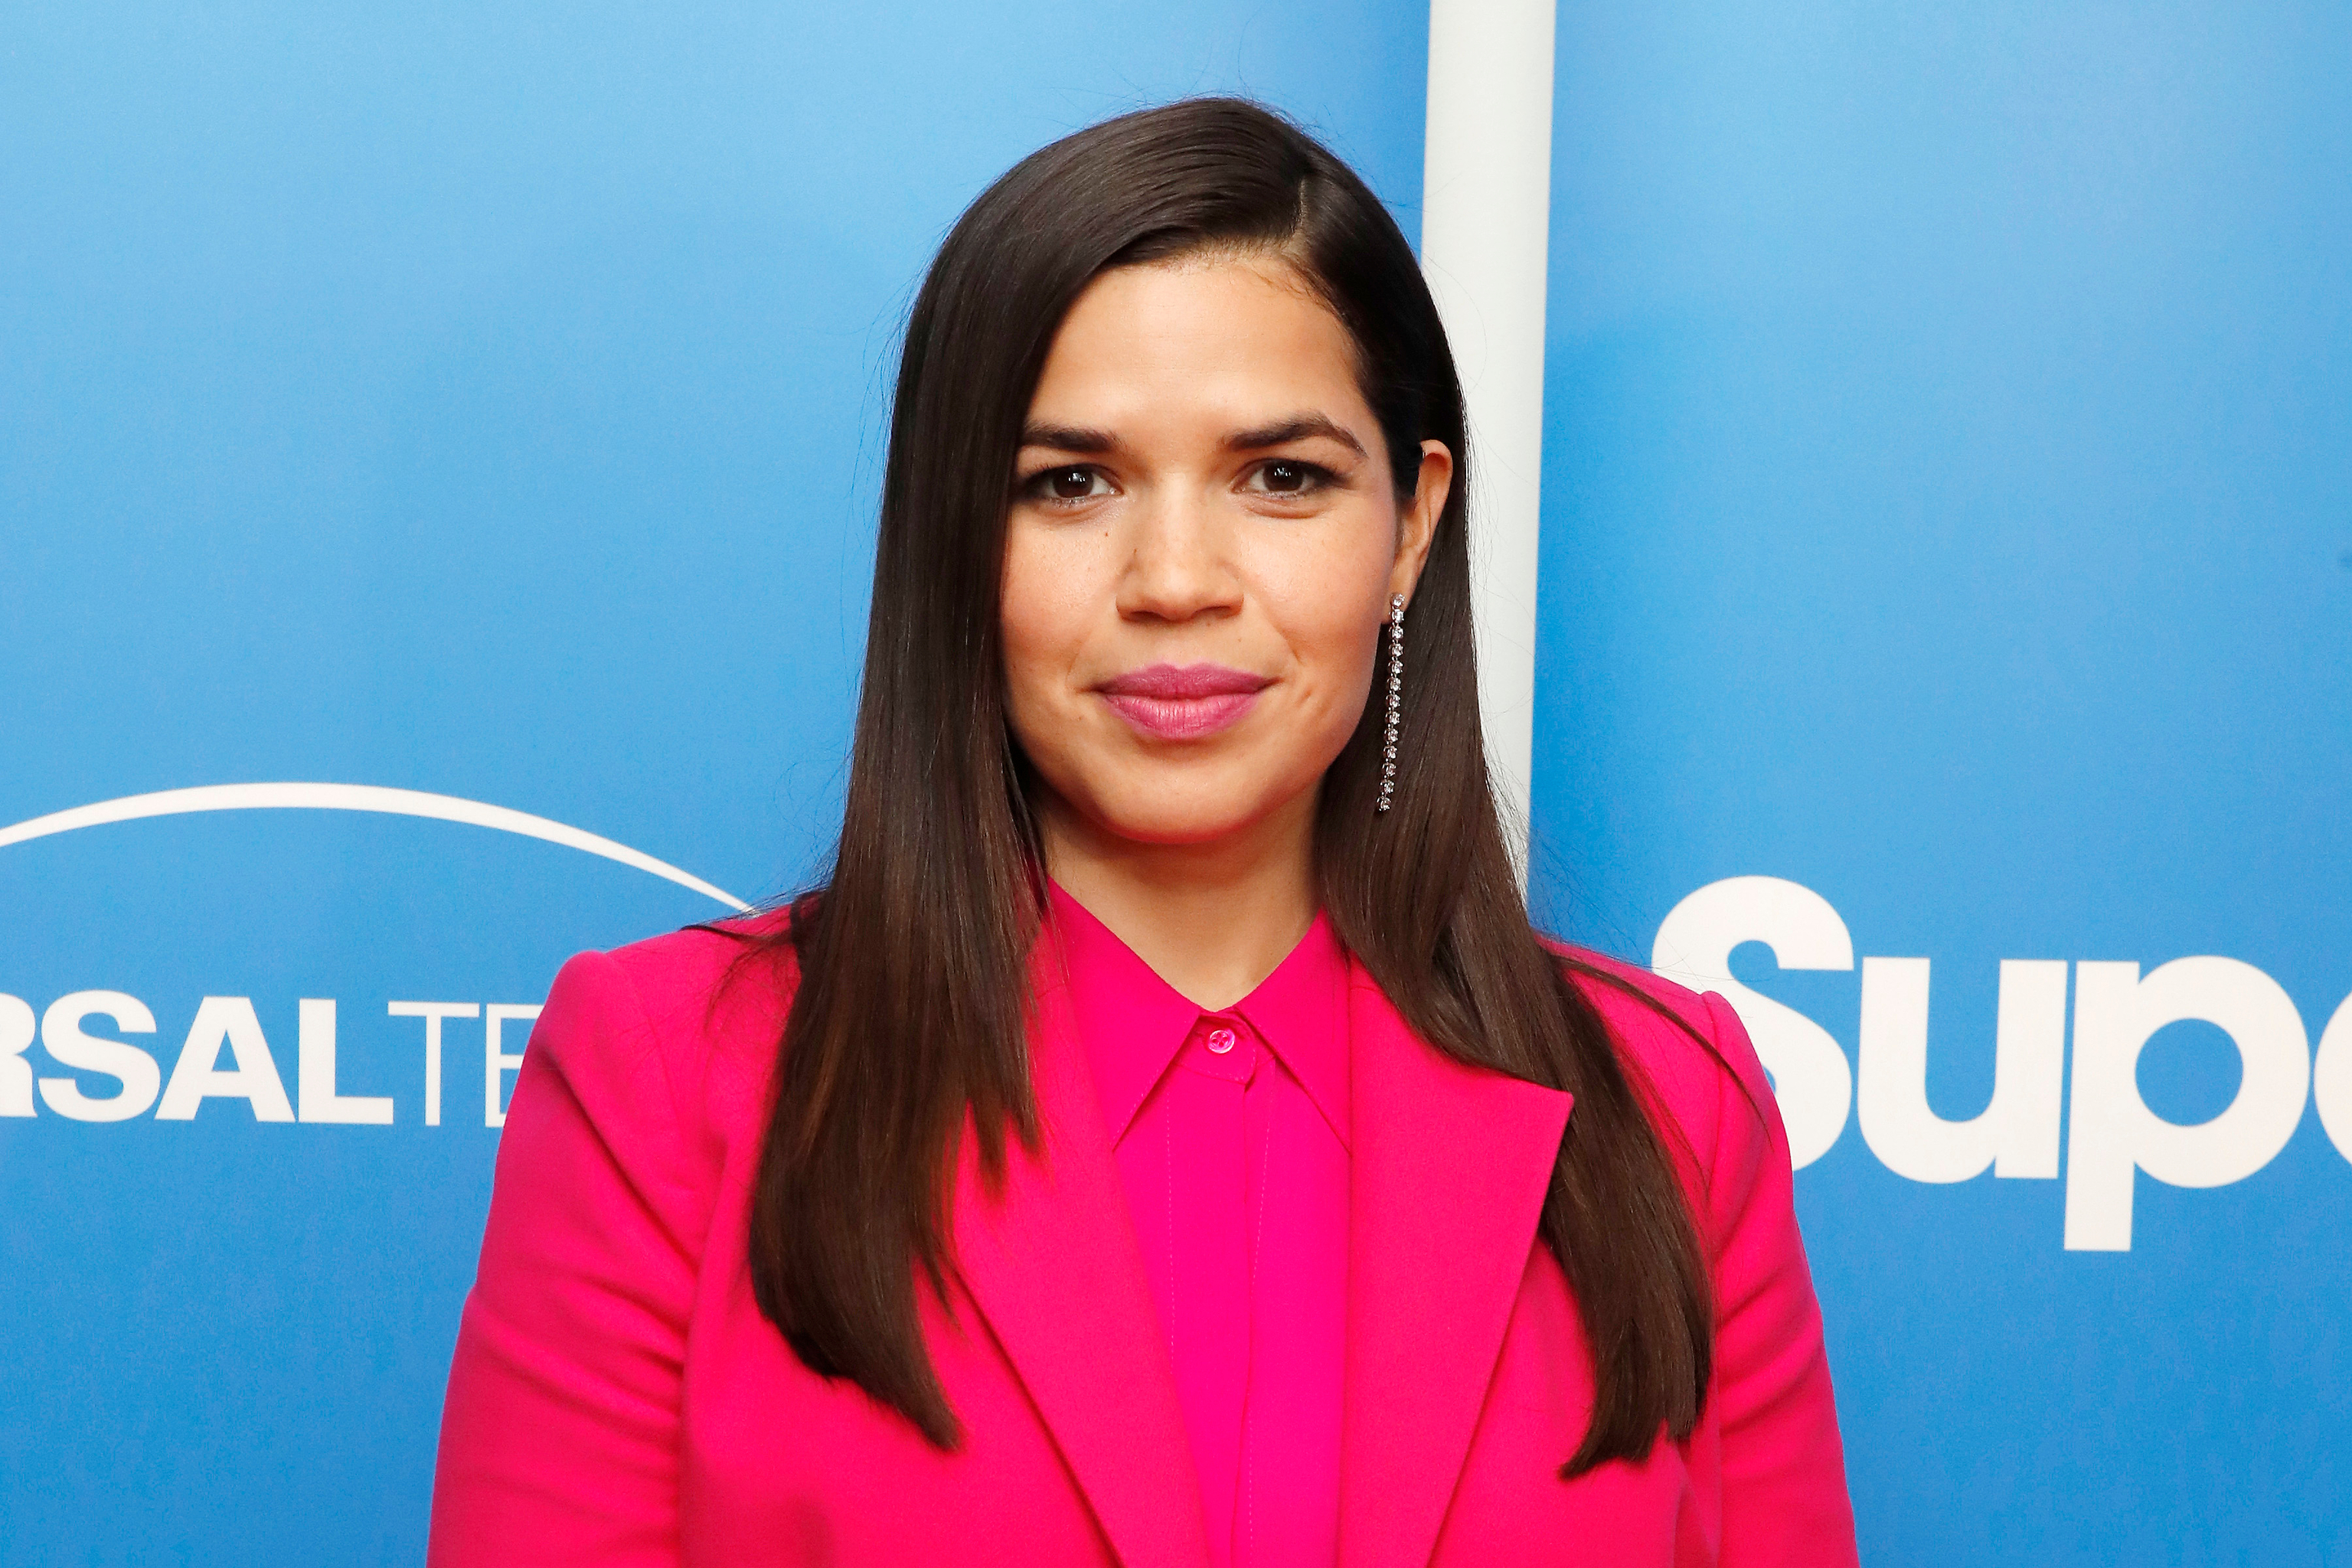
{"type": "Point", "coordinates": [1221, 1040]}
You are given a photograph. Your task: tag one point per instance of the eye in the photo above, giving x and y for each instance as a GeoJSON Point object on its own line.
{"type": "Point", "coordinates": [1066, 485]}
{"type": "Point", "coordinates": [1288, 477]}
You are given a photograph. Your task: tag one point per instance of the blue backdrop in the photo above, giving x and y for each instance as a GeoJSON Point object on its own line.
{"type": "Point", "coordinates": [1947, 515]}
{"type": "Point", "coordinates": [1949, 510]}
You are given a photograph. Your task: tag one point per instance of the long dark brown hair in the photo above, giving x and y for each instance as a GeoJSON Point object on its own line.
{"type": "Point", "coordinates": [911, 1005]}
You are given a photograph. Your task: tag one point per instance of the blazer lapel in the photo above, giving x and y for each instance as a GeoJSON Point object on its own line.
{"type": "Point", "coordinates": [1053, 1264]}
{"type": "Point", "coordinates": [1450, 1164]}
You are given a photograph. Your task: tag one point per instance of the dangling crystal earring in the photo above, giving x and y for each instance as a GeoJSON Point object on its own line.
{"type": "Point", "coordinates": [1396, 697]}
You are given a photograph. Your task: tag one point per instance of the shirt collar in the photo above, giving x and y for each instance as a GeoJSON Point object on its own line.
{"type": "Point", "coordinates": [1131, 1023]}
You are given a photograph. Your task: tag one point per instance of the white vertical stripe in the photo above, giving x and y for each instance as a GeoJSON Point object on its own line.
{"type": "Point", "coordinates": [1485, 219]}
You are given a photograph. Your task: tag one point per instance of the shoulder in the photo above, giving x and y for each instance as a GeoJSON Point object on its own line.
{"type": "Point", "coordinates": [708, 981]}
{"type": "Point", "coordinates": [701, 1011]}
{"type": "Point", "coordinates": [1688, 1051]}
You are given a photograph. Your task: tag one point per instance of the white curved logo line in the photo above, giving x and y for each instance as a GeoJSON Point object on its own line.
{"type": "Point", "coordinates": [354, 797]}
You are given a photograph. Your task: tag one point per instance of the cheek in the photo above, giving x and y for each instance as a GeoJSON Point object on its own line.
{"type": "Point", "coordinates": [1329, 613]}
{"type": "Point", "coordinates": [1047, 616]}
{"type": "Point", "coordinates": [1337, 657]}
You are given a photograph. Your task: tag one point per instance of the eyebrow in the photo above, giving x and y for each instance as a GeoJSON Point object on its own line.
{"type": "Point", "coordinates": [1296, 428]}
{"type": "Point", "coordinates": [1067, 438]}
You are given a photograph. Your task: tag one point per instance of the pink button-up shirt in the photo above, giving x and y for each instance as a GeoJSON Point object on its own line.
{"type": "Point", "coordinates": [1231, 1130]}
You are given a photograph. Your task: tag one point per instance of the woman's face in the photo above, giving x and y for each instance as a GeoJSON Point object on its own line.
{"type": "Point", "coordinates": [1203, 537]}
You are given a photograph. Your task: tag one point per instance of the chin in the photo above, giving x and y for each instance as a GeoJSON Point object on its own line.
{"type": "Point", "coordinates": [1175, 828]}
{"type": "Point", "coordinates": [1182, 816]}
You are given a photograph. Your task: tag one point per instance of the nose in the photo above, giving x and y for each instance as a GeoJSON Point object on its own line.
{"type": "Point", "coordinates": [1177, 567]}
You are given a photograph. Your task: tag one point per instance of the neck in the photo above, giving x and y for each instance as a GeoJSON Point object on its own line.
{"type": "Point", "coordinates": [1212, 919]}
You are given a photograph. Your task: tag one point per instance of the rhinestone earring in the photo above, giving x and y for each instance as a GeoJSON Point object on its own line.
{"type": "Point", "coordinates": [1396, 697]}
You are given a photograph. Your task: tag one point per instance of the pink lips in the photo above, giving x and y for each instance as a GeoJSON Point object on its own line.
{"type": "Point", "coordinates": [1184, 704]}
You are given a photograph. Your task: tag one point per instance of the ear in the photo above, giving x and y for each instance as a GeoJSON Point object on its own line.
{"type": "Point", "coordinates": [1417, 525]}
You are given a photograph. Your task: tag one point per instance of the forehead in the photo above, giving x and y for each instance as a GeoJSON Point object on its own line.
{"type": "Point", "coordinates": [1236, 336]}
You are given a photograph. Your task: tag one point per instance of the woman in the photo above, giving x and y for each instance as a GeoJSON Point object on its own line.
{"type": "Point", "coordinates": [1154, 1142]}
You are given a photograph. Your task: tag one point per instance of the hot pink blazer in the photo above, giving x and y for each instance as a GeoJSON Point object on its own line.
{"type": "Point", "coordinates": [616, 1397]}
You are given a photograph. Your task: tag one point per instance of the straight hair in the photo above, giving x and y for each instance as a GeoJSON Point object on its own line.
{"type": "Point", "coordinates": [907, 1028]}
